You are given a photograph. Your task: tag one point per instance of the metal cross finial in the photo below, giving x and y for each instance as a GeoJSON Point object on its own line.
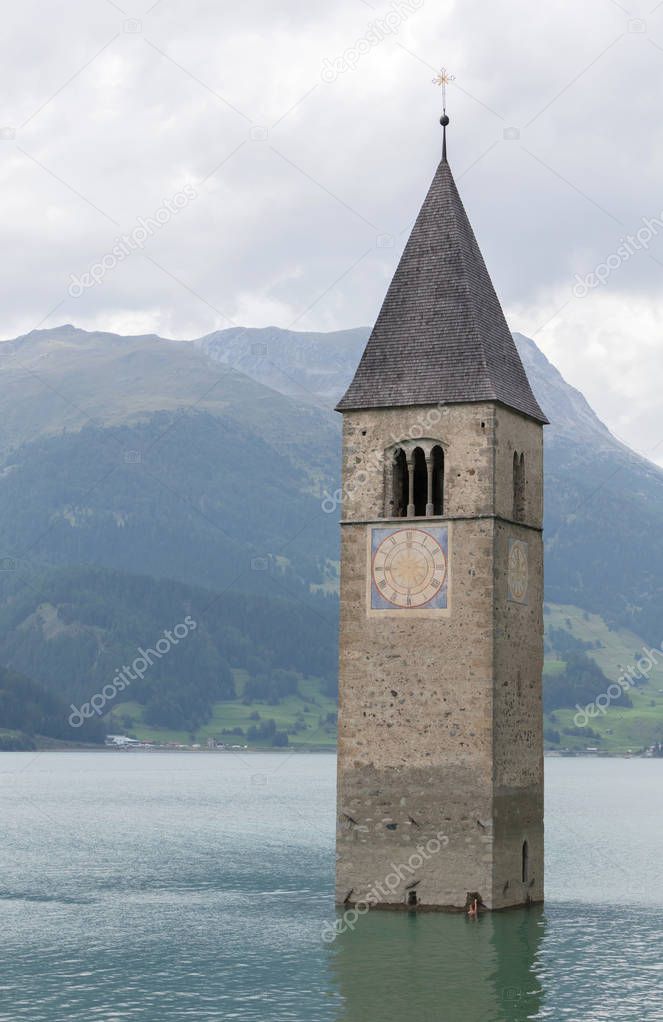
{"type": "Point", "coordinates": [443, 78]}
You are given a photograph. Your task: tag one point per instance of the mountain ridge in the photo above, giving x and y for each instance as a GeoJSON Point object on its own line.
{"type": "Point", "coordinates": [194, 473]}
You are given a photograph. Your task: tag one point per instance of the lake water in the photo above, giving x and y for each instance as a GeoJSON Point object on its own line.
{"type": "Point", "coordinates": [149, 886]}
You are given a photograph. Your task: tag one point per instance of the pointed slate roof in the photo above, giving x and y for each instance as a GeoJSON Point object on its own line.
{"type": "Point", "coordinates": [441, 335]}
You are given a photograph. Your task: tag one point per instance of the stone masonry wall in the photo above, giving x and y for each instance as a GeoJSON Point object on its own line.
{"type": "Point", "coordinates": [518, 728]}
{"type": "Point", "coordinates": [426, 721]}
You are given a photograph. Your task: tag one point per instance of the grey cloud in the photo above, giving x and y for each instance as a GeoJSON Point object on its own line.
{"type": "Point", "coordinates": [115, 122]}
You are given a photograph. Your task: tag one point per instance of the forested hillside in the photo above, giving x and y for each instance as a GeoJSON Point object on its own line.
{"type": "Point", "coordinates": [193, 497]}
{"type": "Point", "coordinates": [76, 628]}
{"type": "Point", "coordinates": [141, 477]}
{"type": "Point", "coordinates": [28, 710]}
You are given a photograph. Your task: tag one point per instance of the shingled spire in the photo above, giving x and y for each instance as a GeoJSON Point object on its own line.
{"type": "Point", "coordinates": [441, 336]}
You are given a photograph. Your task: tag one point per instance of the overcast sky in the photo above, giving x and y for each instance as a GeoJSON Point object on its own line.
{"type": "Point", "coordinates": [278, 153]}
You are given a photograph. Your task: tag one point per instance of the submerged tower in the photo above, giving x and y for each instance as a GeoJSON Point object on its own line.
{"type": "Point", "coordinates": [440, 760]}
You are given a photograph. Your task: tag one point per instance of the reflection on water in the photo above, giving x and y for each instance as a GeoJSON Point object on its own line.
{"type": "Point", "coordinates": [440, 968]}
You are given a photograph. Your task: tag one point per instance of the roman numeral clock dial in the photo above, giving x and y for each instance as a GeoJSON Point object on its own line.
{"type": "Point", "coordinates": [409, 569]}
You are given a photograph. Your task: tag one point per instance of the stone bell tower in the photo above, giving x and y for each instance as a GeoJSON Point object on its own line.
{"type": "Point", "coordinates": [440, 762]}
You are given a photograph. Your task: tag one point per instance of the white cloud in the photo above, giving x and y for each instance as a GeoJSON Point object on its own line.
{"type": "Point", "coordinates": [109, 123]}
{"type": "Point", "coordinates": [609, 345]}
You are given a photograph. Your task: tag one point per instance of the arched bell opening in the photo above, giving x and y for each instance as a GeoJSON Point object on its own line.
{"type": "Point", "coordinates": [437, 457]}
{"type": "Point", "coordinates": [414, 479]}
{"type": "Point", "coordinates": [400, 485]}
{"type": "Point", "coordinates": [420, 489]}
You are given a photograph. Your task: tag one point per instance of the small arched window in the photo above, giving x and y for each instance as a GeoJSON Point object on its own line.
{"type": "Point", "coordinates": [525, 862]}
{"type": "Point", "coordinates": [518, 487]}
{"type": "Point", "coordinates": [401, 485]}
{"type": "Point", "coordinates": [420, 482]}
{"type": "Point", "coordinates": [437, 455]}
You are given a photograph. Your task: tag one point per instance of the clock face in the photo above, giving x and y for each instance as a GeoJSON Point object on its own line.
{"type": "Point", "coordinates": [409, 569]}
{"type": "Point", "coordinates": [518, 571]}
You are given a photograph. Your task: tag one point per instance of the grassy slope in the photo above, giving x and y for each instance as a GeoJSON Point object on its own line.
{"type": "Point", "coordinates": [621, 729]}
{"type": "Point", "coordinates": [311, 703]}
{"type": "Point", "coordinates": [632, 728]}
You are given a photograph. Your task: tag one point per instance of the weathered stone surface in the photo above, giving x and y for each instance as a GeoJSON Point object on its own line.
{"type": "Point", "coordinates": [440, 723]}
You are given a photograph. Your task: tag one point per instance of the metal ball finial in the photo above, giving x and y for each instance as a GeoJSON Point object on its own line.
{"type": "Point", "coordinates": [443, 79]}
{"type": "Point", "coordinates": [444, 120]}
